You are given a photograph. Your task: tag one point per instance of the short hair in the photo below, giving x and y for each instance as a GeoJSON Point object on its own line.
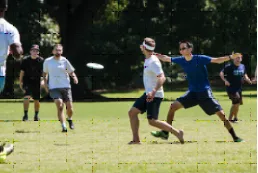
{"type": "Point", "coordinates": [188, 43]}
{"type": "Point", "coordinates": [150, 42]}
{"type": "Point", "coordinates": [58, 45]}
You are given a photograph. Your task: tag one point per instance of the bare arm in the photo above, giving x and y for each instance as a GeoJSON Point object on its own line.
{"type": "Point", "coordinates": [163, 58]}
{"type": "Point", "coordinates": [247, 79]}
{"type": "Point", "coordinates": [223, 78]}
{"type": "Point", "coordinates": [45, 75]}
{"type": "Point", "coordinates": [21, 79]}
{"type": "Point", "coordinates": [75, 79]}
{"type": "Point", "coordinates": [160, 81]}
{"type": "Point", "coordinates": [220, 60]}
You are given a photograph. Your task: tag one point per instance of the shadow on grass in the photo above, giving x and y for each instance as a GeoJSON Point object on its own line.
{"type": "Point", "coordinates": [23, 131]}
{"type": "Point", "coordinates": [174, 142]}
{"type": "Point", "coordinates": [61, 144]}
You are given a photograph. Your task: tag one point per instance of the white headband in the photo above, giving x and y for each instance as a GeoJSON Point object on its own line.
{"type": "Point", "coordinates": [147, 46]}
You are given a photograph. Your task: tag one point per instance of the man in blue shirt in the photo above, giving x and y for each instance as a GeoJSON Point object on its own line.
{"type": "Point", "coordinates": [199, 92]}
{"type": "Point", "coordinates": [233, 75]}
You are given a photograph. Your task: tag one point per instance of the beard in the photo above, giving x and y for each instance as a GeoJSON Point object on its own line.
{"type": "Point", "coordinates": [57, 55]}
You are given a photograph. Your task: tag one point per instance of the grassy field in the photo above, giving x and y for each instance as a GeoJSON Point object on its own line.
{"type": "Point", "coordinates": [99, 142]}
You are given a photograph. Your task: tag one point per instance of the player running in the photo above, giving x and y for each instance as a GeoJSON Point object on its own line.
{"type": "Point", "coordinates": [30, 78]}
{"type": "Point", "coordinates": [9, 41]}
{"type": "Point", "coordinates": [199, 92]}
{"type": "Point", "coordinates": [233, 75]}
{"type": "Point", "coordinates": [153, 78]}
{"type": "Point", "coordinates": [57, 68]}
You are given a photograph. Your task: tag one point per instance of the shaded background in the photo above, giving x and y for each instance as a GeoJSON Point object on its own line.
{"type": "Point", "coordinates": [109, 32]}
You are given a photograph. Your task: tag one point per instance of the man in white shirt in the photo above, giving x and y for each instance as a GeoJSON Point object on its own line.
{"type": "Point", "coordinates": [153, 79]}
{"type": "Point", "coordinates": [9, 42]}
{"type": "Point", "coordinates": [57, 69]}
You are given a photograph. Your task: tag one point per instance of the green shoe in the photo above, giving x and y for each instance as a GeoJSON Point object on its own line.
{"type": "Point", "coordinates": [160, 134]}
{"type": "Point", "coordinates": [239, 140]}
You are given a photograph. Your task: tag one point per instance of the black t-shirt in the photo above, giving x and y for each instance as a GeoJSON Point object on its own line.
{"type": "Point", "coordinates": [234, 74]}
{"type": "Point", "coordinates": [33, 69]}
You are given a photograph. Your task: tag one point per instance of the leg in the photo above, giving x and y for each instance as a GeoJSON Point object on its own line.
{"type": "Point", "coordinates": [236, 109]}
{"type": "Point", "coordinates": [236, 98]}
{"type": "Point", "coordinates": [60, 112]}
{"type": "Point", "coordinates": [26, 103]}
{"type": "Point", "coordinates": [171, 113]}
{"type": "Point", "coordinates": [36, 108]}
{"type": "Point", "coordinates": [69, 111]}
{"type": "Point", "coordinates": [134, 121]}
{"type": "Point", "coordinates": [168, 128]}
{"type": "Point", "coordinates": [231, 114]}
{"type": "Point", "coordinates": [229, 127]}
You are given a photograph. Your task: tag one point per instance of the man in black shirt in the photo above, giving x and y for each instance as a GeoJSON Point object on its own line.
{"type": "Point", "coordinates": [30, 78]}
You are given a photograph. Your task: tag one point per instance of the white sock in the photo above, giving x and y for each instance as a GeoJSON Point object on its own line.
{"type": "Point", "coordinates": [69, 118]}
{"type": "Point", "coordinates": [64, 125]}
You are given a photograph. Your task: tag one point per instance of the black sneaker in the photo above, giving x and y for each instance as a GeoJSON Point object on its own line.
{"type": "Point", "coordinates": [64, 130]}
{"type": "Point", "coordinates": [25, 118]}
{"type": "Point", "coordinates": [36, 118]}
{"type": "Point", "coordinates": [71, 124]}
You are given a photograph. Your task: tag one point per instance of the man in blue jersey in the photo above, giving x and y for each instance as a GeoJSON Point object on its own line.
{"type": "Point", "coordinates": [233, 75]}
{"type": "Point", "coordinates": [199, 92]}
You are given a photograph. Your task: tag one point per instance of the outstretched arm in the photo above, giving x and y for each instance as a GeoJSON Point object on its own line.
{"type": "Point", "coordinates": [220, 60]}
{"type": "Point", "coordinates": [163, 58]}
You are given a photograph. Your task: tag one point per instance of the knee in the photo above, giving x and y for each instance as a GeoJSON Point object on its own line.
{"type": "Point", "coordinates": [173, 108]}
{"type": "Point", "coordinates": [151, 122]}
{"type": "Point", "coordinates": [131, 113]}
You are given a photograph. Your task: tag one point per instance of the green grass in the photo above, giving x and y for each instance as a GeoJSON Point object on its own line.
{"type": "Point", "coordinates": [99, 142]}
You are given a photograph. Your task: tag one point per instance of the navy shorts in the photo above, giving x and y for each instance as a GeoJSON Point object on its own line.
{"type": "Point", "coordinates": [204, 99]}
{"type": "Point", "coordinates": [152, 108]}
{"type": "Point", "coordinates": [236, 97]}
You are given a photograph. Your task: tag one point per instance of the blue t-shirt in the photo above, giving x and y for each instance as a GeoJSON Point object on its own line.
{"type": "Point", "coordinates": [234, 75]}
{"type": "Point", "coordinates": [196, 71]}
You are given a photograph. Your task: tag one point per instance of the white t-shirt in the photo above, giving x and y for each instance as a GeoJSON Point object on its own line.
{"type": "Point", "coordinates": [58, 72]}
{"type": "Point", "coordinates": [8, 35]}
{"type": "Point", "coordinates": [152, 68]}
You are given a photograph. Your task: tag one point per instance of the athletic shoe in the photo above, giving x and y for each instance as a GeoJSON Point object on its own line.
{"type": "Point", "coordinates": [238, 140]}
{"type": "Point", "coordinates": [25, 118]}
{"type": "Point", "coordinates": [235, 120]}
{"type": "Point", "coordinates": [71, 124]}
{"type": "Point", "coordinates": [36, 118]}
{"type": "Point", "coordinates": [160, 134]}
{"type": "Point", "coordinates": [64, 130]}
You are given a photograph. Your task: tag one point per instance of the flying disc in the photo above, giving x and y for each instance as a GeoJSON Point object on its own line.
{"type": "Point", "coordinates": [95, 66]}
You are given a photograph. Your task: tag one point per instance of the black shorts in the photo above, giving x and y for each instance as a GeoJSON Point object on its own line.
{"type": "Point", "coordinates": [152, 108]}
{"type": "Point", "coordinates": [204, 99]}
{"type": "Point", "coordinates": [32, 90]}
{"type": "Point", "coordinates": [236, 97]}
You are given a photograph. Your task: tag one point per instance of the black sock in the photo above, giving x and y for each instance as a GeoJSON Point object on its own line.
{"type": "Point", "coordinates": [36, 113]}
{"type": "Point", "coordinates": [233, 134]}
{"type": "Point", "coordinates": [26, 113]}
{"type": "Point", "coordinates": [165, 132]}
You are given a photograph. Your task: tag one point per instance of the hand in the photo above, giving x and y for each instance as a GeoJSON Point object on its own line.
{"type": "Point", "coordinates": [227, 83]}
{"type": "Point", "coordinates": [151, 95]}
{"type": "Point", "coordinates": [75, 80]}
{"type": "Point", "coordinates": [235, 55]}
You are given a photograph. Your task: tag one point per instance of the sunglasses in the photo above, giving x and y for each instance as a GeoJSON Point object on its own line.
{"type": "Point", "coordinates": [183, 48]}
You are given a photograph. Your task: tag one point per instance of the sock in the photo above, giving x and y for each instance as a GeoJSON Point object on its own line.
{"type": "Point", "coordinates": [36, 113]}
{"type": "Point", "coordinates": [26, 113]}
{"type": "Point", "coordinates": [165, 132]}
{"type": "Point", "coordinates": [64, 125]}
{"type": "Point", "coordinates": [233, 134]}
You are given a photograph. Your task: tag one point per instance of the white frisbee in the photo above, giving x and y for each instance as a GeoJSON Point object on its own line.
{"type": "Point", "coordinates": [95, 66]}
